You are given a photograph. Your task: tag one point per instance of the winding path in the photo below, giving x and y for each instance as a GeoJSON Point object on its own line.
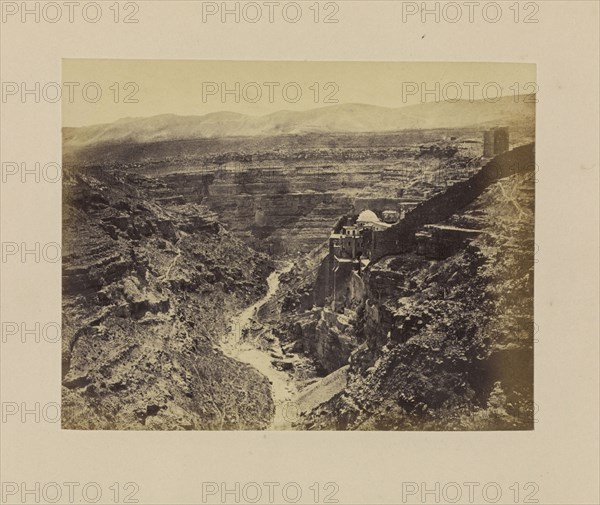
{"type": "Point", "coordinates": [283, 389]}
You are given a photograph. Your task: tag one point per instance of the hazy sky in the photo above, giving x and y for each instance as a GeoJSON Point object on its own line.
{"type": "Point", "coordinates": [188, 87]}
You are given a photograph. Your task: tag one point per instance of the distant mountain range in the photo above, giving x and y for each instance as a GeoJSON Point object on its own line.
{"type": "Point", "coordinates": [344, 118]}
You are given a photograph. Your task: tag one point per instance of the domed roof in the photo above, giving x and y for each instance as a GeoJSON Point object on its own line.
{"type": "Point", "coordinates": [367, 216]}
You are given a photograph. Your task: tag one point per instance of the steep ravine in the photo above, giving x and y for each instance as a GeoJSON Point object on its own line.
{"type": "Point", "coordinates": [434, 343]}
{"type": "Point", "coordinates": [148, 291]}
{"type": "Point", "coordinates": [152, 282]}
{"type": "Point", "coordinates": [283, 387]}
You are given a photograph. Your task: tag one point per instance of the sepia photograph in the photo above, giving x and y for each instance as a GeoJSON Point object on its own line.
{"type": "Point", "coordinates": [304, 252]}
{"type": "Point", "coordinates": [298, 246]}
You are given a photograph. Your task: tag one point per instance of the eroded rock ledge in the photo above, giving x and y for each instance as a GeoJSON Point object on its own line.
{"type": "Point", "coordinates": [148, 290]}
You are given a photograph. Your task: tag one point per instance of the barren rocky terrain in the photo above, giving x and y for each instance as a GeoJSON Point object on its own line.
{"type": "Point", "coordinates": [437, 344]}
{"type": "Point", "coordinates": [149, 286]}
{"type": "Point", "coordinates": [170, 234]}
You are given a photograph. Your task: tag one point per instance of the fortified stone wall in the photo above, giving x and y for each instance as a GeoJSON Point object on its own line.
{"type": "Point", "coordinates": [400, 238]}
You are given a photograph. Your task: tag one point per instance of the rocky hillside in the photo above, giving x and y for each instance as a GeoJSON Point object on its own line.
{"type": "Point", "coordinates": [282, 192]}
{"type": "Point", "coordinates": [284, 198]}
{"type": "Point", "coordinates": [149, 285]}
{"type": "Point", "coordinates": [440, 344]}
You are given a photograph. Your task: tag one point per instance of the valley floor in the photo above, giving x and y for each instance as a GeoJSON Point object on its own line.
{"type": "Point", "coordinates": [283, 388]}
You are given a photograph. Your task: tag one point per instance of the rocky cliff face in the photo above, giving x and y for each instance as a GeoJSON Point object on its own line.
{"type": "Point", "coordinates": [149, 285]}
{"type": "Point", "coordinates": [282, 195]}
{"type": "Point", "coordinates": [325, 336]}
{"type": "Point", "coordinates": [445, 343]}
{"type": "Point", "coordinates": [286, 203]}
{"type": "Point", "coordinates": [288, 209]}
{"type": "Point", "coordinates": [296, 316]}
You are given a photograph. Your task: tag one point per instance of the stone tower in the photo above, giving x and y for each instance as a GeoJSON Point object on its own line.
{"type": "Point", "coordinates": [495, 141]}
